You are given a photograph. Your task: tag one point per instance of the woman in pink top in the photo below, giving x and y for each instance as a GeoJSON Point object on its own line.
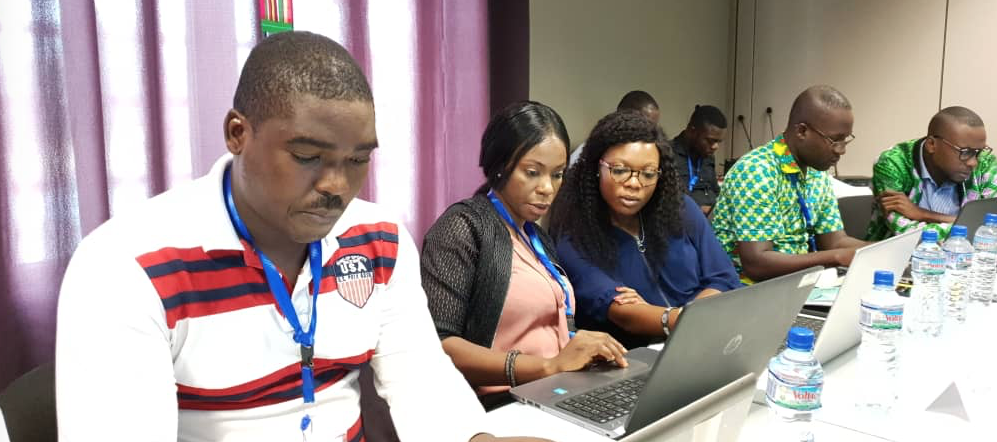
{"type": "Point", "coordinates": [502, 305]}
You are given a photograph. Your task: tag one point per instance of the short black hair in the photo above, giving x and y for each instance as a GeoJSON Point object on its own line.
{"type": "Point", "coordinates": [510, 134]}
{"type": "Point", "coordinates": [706, 114]}
{"type": "Point", "coordinates": [296, 62]}
{"type": "Point", "coordinates": [636, 100]}
{"type": "Point", "coordinates": [957, 114]}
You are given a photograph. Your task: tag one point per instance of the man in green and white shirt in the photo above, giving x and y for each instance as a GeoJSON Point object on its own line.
{"type": "Point", "coordinates": [924, 182]}
{"type": "Point", "coordinates": [760, 219]}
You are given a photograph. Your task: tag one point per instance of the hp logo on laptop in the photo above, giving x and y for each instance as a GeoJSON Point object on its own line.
{"type": "Point", "coordinates": [733, 345]}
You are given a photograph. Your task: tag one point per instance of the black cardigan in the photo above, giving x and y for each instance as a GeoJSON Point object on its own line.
{"type": "Point", "coordinates": [466, 266]}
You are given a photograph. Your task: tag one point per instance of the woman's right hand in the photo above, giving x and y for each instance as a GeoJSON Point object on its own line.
{"type": "Point", "coordinates": [628, 295]}
{"type": "Point", "coordinates": [585, 348]}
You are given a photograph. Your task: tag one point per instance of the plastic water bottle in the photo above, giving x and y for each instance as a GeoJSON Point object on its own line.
{"type": "Point", "coordinates": [984, 261]}
{"type": "Point", "coordinates": [795, 381]}
{"type": "Point", "coordinates": [924, 310]}
{"type": "Point", "coordinates": [956, 283]}
{"type": "Point", "coordinates": [882, 312]}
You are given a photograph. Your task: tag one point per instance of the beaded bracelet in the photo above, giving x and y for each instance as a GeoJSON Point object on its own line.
{"type": "Point", "coordinates": [510, 366]}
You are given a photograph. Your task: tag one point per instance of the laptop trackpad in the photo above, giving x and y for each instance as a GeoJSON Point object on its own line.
{"type": "Point", "coordinates": [639, 360]}
{"type": "Point", "coordinates": [567, 384]}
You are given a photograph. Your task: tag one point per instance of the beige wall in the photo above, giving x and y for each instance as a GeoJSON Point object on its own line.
{"type": "Point", "coordinates": [970, 77]}
{"type": "Point", "coordinates": [585, 54]}
{"type": "Point", "coordinates": [884, 55]}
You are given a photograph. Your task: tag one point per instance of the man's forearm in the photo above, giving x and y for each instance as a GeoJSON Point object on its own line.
{"type": "Point", "coordinates": [847, 242]}
{"type": "Point", "coordinates": [771, 264]}
{"type": "Point", "coordinates": [925, 215]}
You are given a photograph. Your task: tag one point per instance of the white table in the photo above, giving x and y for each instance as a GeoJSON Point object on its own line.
{"type": "Point", "coordinates": [927, 368]}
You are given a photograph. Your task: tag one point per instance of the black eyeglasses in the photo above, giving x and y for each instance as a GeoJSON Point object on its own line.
{"type": "Point", "coordinates": [965, 153]}
{"type": "Point", "coordinates": [622, 174]}
{"type": "Point", "coordinates": [834, 143]}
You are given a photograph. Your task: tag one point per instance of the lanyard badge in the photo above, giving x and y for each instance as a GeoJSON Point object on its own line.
{"type": "Point", "coordinates": [533, 240]}
{"type": "Point", "coordinates": [693, 173]}
{"type": "Point", "coordinates": [807, 217]}
{"type": "Point", "coordinates": [304, 338]}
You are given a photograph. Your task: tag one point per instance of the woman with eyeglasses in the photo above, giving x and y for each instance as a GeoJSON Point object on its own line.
{"type": "Point", "coordinates": [502, 305]}
{"type": "Point", "coordinates": [634, 245]}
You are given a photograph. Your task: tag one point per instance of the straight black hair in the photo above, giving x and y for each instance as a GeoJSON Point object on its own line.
{"type": "Point", "coordinates": [510, 134]}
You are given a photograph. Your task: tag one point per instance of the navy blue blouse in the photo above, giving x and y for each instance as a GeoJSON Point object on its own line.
{"type": "Point", "coordinates": [694, 261]}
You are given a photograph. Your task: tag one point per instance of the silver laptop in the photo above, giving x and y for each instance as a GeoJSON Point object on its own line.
{"type": "Point", "coordinates": [973, 213]}
{"type": "Point", "coordinates": [837, 330]}
{"type": "Point", "coordinates": [716, 341]}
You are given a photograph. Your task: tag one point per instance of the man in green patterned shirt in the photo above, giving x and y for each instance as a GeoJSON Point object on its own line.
{"type": "Point", "coordinates": [924, 182]}
{"type": "Point", "coordinates": [776, 213]}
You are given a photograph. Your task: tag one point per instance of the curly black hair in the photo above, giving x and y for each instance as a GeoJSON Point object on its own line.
{"type": "Point", "coordinates": [580, 212]}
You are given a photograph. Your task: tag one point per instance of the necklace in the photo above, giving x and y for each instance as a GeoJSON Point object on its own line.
{"type": "Point", "coordinates": [640, 239]}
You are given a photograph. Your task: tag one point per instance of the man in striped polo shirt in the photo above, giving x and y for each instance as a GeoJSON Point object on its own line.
{"type": "Point", "coordinates": [239, 306]}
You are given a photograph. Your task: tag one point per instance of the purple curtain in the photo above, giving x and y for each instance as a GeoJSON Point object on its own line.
{"type": "Point", "coordinates": [104, 104]}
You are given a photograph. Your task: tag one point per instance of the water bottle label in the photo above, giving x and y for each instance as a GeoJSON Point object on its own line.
{"type": "Point", "coordinates": [796, 397]}
{"type": "Point", "coordinates": [929, 266]}
{"type": "Point", "coordinates": [882, 318]}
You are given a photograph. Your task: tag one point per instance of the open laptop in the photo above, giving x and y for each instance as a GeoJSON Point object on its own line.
{"type": "Point", "coordinates": [973, 213]}
{"type": "Point", "coordinates": [837, 329]}
{"type": "Point", "coordinates": [716, 341]}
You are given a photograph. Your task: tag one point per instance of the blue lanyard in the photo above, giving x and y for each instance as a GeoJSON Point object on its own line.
{"type": "Point", "coordinates": [807, 217]}
{"type": "Point", "coordinates": [538, 250]}
{"type": "Point", "coordinates": [306, 339]}
{"type": "Point", "coordinates": [693, 173]}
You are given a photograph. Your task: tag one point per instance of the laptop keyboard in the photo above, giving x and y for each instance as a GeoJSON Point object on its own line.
{"type": "Point", "coordinates": [607, 403]}
{"type": "Point", "coordinates": [814, 324]}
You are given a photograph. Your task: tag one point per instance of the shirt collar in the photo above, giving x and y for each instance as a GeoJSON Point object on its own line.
{"type": "Point", "coordinates": [787, 164]}
{"type": "Point", "coordinates": [219, 233]}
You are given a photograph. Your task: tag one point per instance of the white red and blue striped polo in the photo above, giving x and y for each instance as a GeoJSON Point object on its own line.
{"type": "Point", "coordinates": [167, 331]}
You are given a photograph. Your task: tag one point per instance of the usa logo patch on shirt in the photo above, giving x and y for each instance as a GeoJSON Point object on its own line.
{"type": "Point", "coordinates": [355, 278]}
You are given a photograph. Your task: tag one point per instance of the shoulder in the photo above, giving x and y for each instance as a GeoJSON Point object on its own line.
{"type": "Point", "coordinates": [679, 148]}
{"type": "Point", "coordinates": [691, 212]}
{"type": "Point", "coordinates": [899, 155]}
{"type": "Point", "coordinates": [368, 220]}
{"type": "Point", "coordinates": [823, 179]}
{"type": "Point", "coordinates": [760, 162]}
{"type": "Point", "coordinates": [466, 216]}
{"type": "Point", "coordinates": [987, 165]}
{"type": "Point", "coordinates": [569, 256]}
{"type": "Point", "coordinates": [692, 216]}
{"type": "Point", "coordinates": [173, 218]}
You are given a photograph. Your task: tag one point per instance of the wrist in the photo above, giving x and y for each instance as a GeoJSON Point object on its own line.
{"type": "Point", "coordinates": [668, 319]}
{"type": "Point", "coordinates": [550, 367]}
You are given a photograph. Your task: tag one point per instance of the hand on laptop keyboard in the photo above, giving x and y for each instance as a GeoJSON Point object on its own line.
{"type": "Point", "coordinates": [586, 348]}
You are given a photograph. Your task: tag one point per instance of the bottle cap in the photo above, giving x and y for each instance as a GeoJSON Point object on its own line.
{"type": "Point", "coordinates": [800, 338]}
{"type": "Point", "coordinates": [957, 230]}
{"type": "Point", "coordinates": [883, 277]}
{"type": "Point", "coordinates": [929, 236]}
{"type": "Point", "coordinates": [991, 218]}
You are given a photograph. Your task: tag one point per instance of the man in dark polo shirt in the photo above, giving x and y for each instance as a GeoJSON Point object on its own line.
{"type": "Point", "coordinates": [694, 148]}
